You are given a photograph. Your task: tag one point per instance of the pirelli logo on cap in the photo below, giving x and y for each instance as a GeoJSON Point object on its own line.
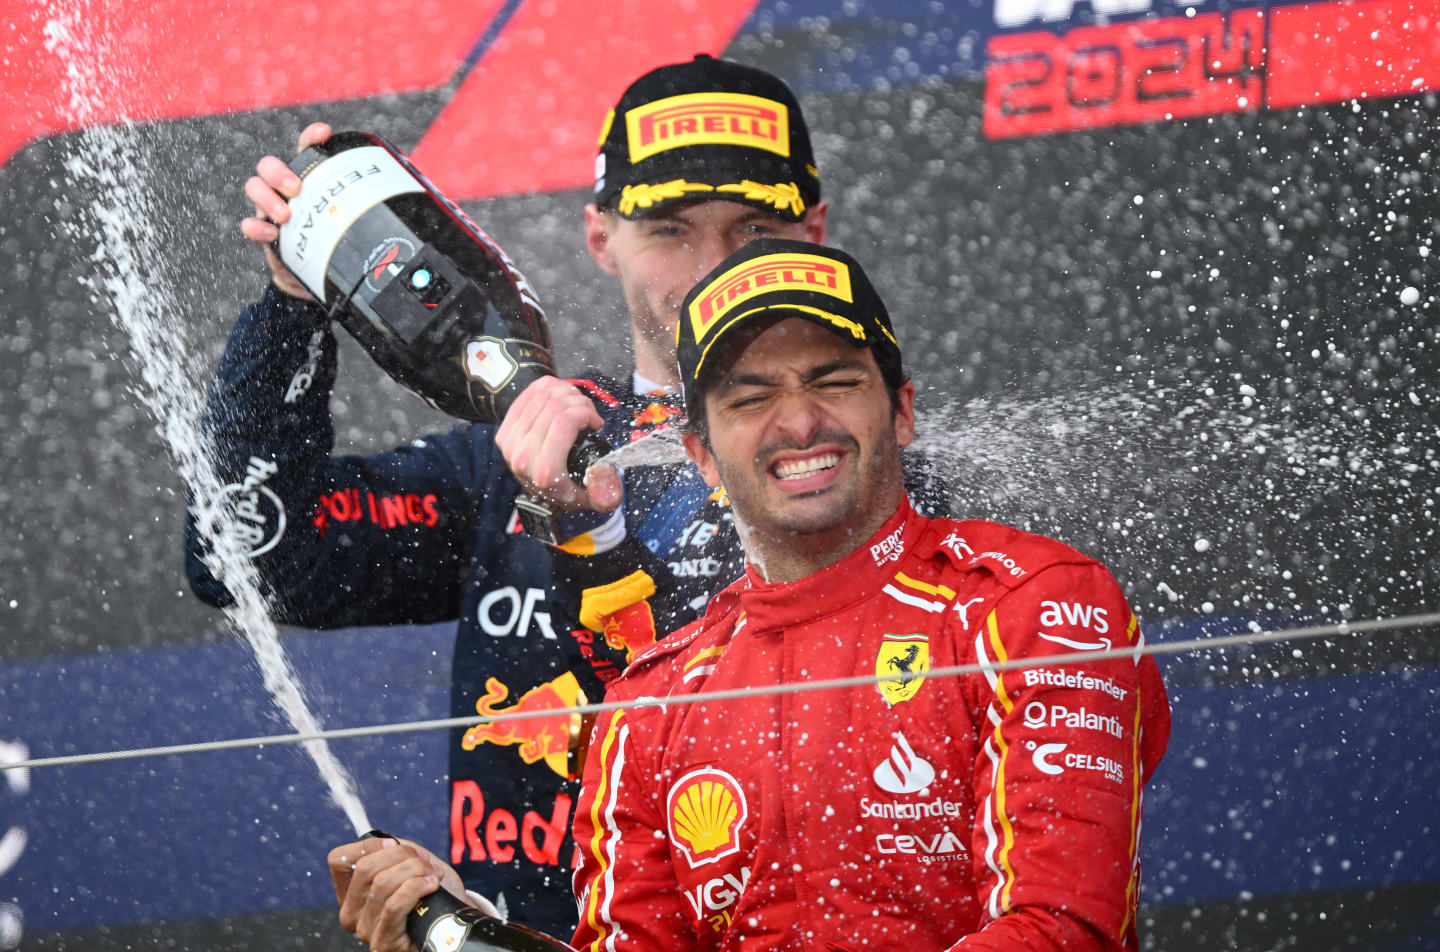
{"type": "Point", "coordinates": [708, 119]}
{"type": "Point", "coordinates": [780, 272]}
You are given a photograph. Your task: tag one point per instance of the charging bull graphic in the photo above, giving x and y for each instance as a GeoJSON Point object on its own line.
{"type": "Point", "coordinates": [550, 738]}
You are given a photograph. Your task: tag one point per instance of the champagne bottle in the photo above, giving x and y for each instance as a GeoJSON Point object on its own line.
{"type": "Point", "coordinates": [431, 297]}
{"type": "Point", "coordinates": [441, 923]}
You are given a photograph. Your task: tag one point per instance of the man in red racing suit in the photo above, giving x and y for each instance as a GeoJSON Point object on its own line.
{"type": "Point", "coordinates": [998, 810]}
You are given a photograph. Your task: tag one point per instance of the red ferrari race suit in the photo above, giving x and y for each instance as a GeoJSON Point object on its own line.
{"type": "Point", "coordinates": [998, 810]}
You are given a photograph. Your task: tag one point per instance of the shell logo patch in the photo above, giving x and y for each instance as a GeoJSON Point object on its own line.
{"type": "Point", "coordinates": [707, 119]}
{"type": "Point", "coordinates": [902, 664]}
{"type": "Point", "coordinates": [705, 810]}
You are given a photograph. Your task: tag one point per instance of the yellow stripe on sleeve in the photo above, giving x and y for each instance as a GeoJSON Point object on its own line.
{"type": "Point", "coordinates": [607, 758]}
{"type": "Point", "coordinates": [1132, 887]}
{"type": "Point", "coordinates": [999, 648]}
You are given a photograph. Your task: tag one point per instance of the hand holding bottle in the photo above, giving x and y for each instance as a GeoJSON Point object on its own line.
{"type": "Point", "coordinates": [272, 185]}
{"type": "Point", "coordinates": [378, 882]}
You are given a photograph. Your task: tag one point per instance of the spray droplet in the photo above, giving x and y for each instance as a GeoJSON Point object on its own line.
{"type": "Point", "coordinates": [1409, 296]}
{"type": "Point", "coordinates": [1202, 545]}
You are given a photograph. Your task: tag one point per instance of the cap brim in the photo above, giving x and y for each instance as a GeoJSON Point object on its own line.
{"type": "Point", "coordinates": [724, 338]}
{"type": "Point", "coordinates": [783, 200]}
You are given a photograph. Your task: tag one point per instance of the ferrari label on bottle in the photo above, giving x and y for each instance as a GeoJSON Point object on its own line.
{"type": "Point", "coordinates": [334, 193]}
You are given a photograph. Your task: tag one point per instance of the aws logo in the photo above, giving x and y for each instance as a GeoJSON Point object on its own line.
{"type": "Point", "coordinates": [706, 809]}
{"type": "Point", "coordinates": [1053, 614]}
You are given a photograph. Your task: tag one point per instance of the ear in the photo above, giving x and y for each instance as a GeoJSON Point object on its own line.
{"type": "Point", "coordinates": [905, 414]}
{"type": "Point", "coordinates": [702, 459]}
{"type": "Point", "coordinates": [814, 222]}
{"type": "Point", "coordinates": [597, 239]}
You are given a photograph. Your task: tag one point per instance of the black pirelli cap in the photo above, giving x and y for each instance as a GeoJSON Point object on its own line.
{"type": "Point", "coordinates": [774, 278]}
{"type": "Point", "coordinates": [706, 129]}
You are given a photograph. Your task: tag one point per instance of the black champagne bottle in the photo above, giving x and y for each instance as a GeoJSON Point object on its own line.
{"type": "Point", "coordinates": [431, 297]}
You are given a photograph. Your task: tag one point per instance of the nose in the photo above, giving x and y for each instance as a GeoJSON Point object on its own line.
{"type": "Point", "coordinates": [798, 416]}
{"type": "Point", "coordinates": [715, 248]}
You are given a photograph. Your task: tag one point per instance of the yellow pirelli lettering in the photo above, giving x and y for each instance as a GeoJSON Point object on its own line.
{"type": "Point", "coordinates": [607, 758]}
{"type": "Point", "coordinates": [993, 625]}
{"type": "Point", "coordinates": [708, 119]}
{"type": "Point", "coordinates": [786, 271]}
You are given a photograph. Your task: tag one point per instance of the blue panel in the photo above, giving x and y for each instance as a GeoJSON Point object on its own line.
{"type": "Point", "coordinates": [1283, 787]}
{"type": "Point", "coordinates": [212, 834]}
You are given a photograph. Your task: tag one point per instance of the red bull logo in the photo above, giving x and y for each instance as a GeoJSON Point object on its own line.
{"type": "Point", "coordinates": [482, 831]}
{"type": "Point", "coordinates": [780, 272]}
{"type": "Point", "coordinates": [547, 738]}
{"type": "Point", "coordinates": [708, 119]}
{"type": "Point", "coordinates": [631, 629]}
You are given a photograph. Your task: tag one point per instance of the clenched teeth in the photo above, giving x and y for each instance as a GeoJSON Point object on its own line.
{"type": "Point", "coordinates": [795, 469]}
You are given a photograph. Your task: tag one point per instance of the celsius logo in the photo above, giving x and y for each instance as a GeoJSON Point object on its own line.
{"type": "Point", "coordinates": [1042, 764]}
{"type": "Point", "coordinates": [904, 771]}
{"type": "Point", "coordinates": [386, 260]}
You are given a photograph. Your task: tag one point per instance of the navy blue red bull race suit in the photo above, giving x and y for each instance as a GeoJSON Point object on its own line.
{"type": "Point", "coordinates": [428, 533]}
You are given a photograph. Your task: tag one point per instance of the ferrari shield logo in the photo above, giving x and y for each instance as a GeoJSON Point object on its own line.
{"type": "Point", "coordinates": [901, 666]}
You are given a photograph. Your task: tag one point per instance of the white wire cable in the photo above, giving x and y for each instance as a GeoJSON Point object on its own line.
{"type": "Point", "coordinates": [795, 687]}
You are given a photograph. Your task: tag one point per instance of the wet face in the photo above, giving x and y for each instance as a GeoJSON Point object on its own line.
{"type": "Point", "coordinates": [803, 436]}
{"type": "Point", "coordinates": [658, 259]}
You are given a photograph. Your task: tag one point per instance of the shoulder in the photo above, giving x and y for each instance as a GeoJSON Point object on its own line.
{"type": "Point", "coordinates": [660, 670]}
{"type": "Point", "coordinates": [1013, 556]}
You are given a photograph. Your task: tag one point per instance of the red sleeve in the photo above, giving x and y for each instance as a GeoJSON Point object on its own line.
{"type": "Point", "coordinates": [625, 885]}
{"type": "Point", "coordinates": [1065, 750]}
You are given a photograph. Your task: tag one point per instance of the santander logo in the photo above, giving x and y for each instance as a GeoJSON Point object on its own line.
{"type": "Point", "coordinates": [904, 771]}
